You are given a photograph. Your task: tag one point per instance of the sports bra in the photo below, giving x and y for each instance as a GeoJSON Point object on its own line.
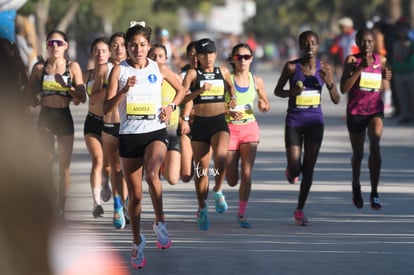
{"type": "Point", "coordinates": [49, 85]}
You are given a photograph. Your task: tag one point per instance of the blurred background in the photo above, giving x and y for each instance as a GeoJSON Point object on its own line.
{"type": "Point", "coordinates": [271, 25]}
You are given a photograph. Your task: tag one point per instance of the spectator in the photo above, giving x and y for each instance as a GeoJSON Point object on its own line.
{"type": "Point", "coordinates": [403, 68]}
{"type": "Point", "coordinates": [344, 44]}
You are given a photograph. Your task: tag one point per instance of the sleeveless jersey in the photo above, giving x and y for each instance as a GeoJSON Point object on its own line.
{"type": "Point", "coordinates": [245, 101]}
{"type": "Point", "coordinates": [168, 94]}
{"type": "Point", "coordinates": [89, 83]}
{"type": "Point", "coordinates": [50, 86]}
{"type": "Point", "coordinates": [216, 93]}
{"type": "Point", "coordinates": [305, 108]}
{"type": "Point", "coordinates": [106, 80]}
{"type": "Point", "coordinates": [364, 98]}
{"type": "Point", "coordinates": [140, 108]}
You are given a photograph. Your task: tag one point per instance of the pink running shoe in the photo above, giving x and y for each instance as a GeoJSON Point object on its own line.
{"type": "Point", "coordinates": [289, 178]}
{"type": "Point", "coordinates": [300, 218]}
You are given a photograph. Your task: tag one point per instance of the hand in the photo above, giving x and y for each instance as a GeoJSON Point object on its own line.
{"type": "Point", "coordinates": [233, 103]}
{"type": "Point", "coordinates": [364, 63]}
{"type": "Point", "coordinates": [206, 87]}
{"type": "Point", "coordinates": [130, 83]}
{"type": "Point", "coordinates": [236, 115]}
{"type": "Point", "coordinates": [261, 104]}
{"type": "Point", "coordinates": [185, 127]}
{"type": "Point", "coordinates": [76, 101]}
{"type": "Point", "coordinates": [326, 73]}
{"type": "Point", "coordinates": [297, 89]}
{"type": "Point", "coordinates": [165, 114]}
{"type": "Point", "coordinates": [386, 73]}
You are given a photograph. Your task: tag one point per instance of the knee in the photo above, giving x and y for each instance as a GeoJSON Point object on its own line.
{"type": "Point", "coordinates": [246, 175]}
{"type": "Point", "coordinates": [232, 181]}
{"type": "Point", "coordinates": [151, 176]}
{"type": "Point", "coordinates": [134, 201]}
{"type": "Point", "coordinates": [97, 162]}
{"type": "Point", "coordinates": [186, 178]}
{"type": "Point", "coordinates": [358, 156]}
{"type": "Point", "coordinates": [172, 180]}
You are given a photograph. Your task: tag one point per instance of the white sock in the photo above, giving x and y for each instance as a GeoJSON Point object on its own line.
{"type": "Point", "coordinates": [96, 195]}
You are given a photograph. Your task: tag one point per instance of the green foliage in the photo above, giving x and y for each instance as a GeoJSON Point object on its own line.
{"type": "Point", "coordinates": [277, 19]}
{"type": "Point", "coordinates": [172, 5]}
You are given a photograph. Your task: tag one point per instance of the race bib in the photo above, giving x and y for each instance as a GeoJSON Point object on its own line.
{"type": "Point", "coordinates": [50, 84]}
{"type": "Point", "coordinates": [370, 81]}
{"type": "Point", "coordinates": [308, 98]}
{"type": "Point", "coordinates": [140, 107]}
{"type": "Point", "coordinates": [217, 88]}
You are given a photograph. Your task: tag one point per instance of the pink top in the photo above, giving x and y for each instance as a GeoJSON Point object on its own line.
{"type": "Point", "coordinates": [365, 97]}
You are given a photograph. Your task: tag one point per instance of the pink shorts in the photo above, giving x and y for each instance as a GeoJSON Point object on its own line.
{"type": "Point", "coordinates": [243, 133]}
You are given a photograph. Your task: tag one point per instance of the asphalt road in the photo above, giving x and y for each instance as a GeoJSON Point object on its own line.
{"type": "Point", "coordinates": [340, 240]}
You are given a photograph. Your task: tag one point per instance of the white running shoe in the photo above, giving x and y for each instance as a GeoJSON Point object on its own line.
{"type": "Point", "coordinates": [137, 258]}
{"type": "Point", "coordinates": [163, 239]}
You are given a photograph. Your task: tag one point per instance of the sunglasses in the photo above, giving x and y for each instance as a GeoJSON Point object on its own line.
{"type": "Point", "coordinates": [58, 43]}
{"type": "Point", "coordinates": [239, 57]}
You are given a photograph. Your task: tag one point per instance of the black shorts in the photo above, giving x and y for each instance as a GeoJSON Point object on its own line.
{"type": "Point", "coordinates": [93, 124]}
{"type": "Point", "coordinates": [174, 143]}
{"type": "Point", "coordinates": [204, 128]}
{"type": "Point", "coordinates": [111, 129]}
{"type": "Point", "coordinates": [358, 123]}
{"type": "Point", "coordinates": [133, 145]}
{"type": "Point", "coordinates": [57, 121]}
{"type": "Point", "coordinates": [299, 135]}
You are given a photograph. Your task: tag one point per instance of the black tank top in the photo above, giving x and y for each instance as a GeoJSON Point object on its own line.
{"type": "Point", "coordinates": [216, 93]}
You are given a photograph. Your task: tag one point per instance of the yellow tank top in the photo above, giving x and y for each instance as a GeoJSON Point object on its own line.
{"type": "Point", "coordinates": [167, 96]}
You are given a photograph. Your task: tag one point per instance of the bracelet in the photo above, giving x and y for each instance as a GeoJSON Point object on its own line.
{"type": "Point", "coordinates": [173, 106]}
{"type": "Point", "coordinates": [233, 97]}
{"type": "Point", "coordinates": [330, 87]}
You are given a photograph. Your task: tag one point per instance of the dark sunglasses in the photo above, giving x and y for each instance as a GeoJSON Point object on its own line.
{"type": "Point", "coordinates": [239, 57]}
{"type": "Point", "coordinates": [58, 43]}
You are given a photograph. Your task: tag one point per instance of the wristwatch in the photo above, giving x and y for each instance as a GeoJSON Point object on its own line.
{"type": "Point", "coordinates": [173, 106]}
{"type": "Point", "coordinates": [186, 118]}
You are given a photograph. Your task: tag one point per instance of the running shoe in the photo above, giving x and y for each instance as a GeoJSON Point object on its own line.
{"type": "Point", "coordinates": [221, 204]}
{"type": "Point", "coordinates": [119, 218]}
{"type": "Point", "coordinates": [300, 218]}
{"type": "Point", "coordinates": [97, 211]}
{"type": "Point", "coordinates": [163, 239]}
{"type": "Point", "coordinates": [289, 178]}
{"type": "Point", "coordinates": [243, 222]}
{"type": "Point", "coordinates": [357, 197]}
{"type": "Point", "coordinates": [138, 259]}
{"type": "Point", "coordinates": [375, 202]}
{"type": "Point", "coordinates": [202, 218]}
{"type": "Point", "coordinates": [106, 192]}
